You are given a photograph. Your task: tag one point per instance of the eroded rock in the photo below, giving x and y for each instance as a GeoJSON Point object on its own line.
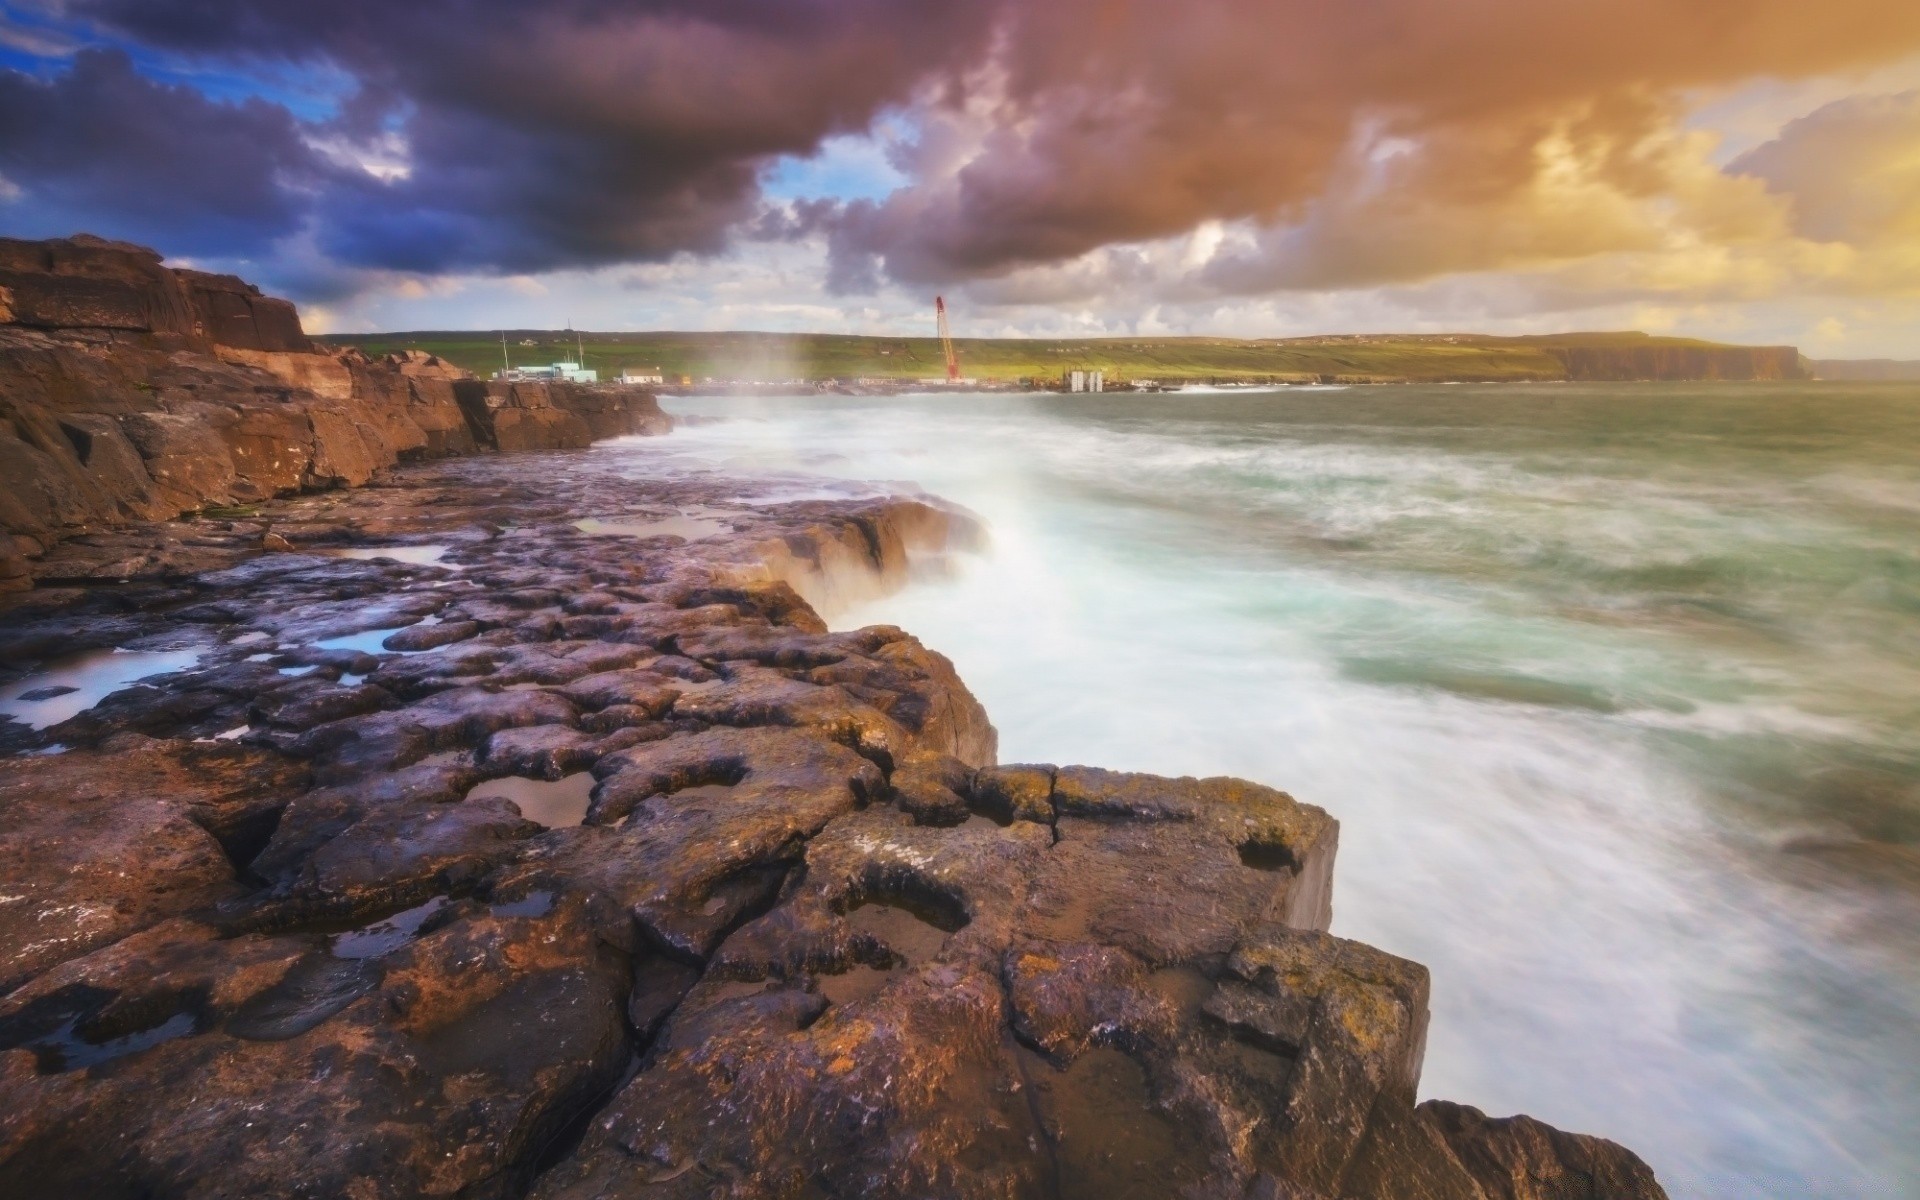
{"type": "Point", "coordinates": [808, 939]}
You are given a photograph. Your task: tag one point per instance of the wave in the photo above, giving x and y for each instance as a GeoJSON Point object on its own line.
{"type": "Point", "coordinates": [1562, 680]}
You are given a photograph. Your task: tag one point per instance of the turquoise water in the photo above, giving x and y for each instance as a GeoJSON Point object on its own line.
{"type": "Point", "coordinates": [1614, 689]}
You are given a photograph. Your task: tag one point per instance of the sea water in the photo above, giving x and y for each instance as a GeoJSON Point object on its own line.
{"type": "Point", "coordinates": [1615, 691]}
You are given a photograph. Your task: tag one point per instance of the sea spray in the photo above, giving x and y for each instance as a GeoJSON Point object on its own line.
{"type": "Point", "coordinates": [1582, 670]}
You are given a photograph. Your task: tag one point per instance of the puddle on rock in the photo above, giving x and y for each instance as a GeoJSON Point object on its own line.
{"type": "Point", "coordinates": [70, 686]}
{"type": "Point", "coordinates": [248, 639]}
{"type": "Point", "coordinates": [557, 805]}
{"type": "Point", "coordinates": [421, 556]}
{"type": "Point", "coordinates": [373, 641]}
{"type": "Point", "coordinates": [915, 932]}
{"type": "Point", "coordinates": [533, 904]}
{"type": "Point", "coordinates": [386, 935]}
{"type": "Point", "coordinates": [366, 641]}
{"type": "Point", "coordinates": [67, 1050]}
{"type": "Point", "coordinates": [853, 984]}
{"type": "Point", "coordinates": [297, 670]}
{"type": "Point", "coordinates": [691, 526]}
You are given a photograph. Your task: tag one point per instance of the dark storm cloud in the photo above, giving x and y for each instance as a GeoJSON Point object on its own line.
{"type": "Point", "coordinates": [567, 134]}
{"type": "Point", "coordinates": [101, 147]}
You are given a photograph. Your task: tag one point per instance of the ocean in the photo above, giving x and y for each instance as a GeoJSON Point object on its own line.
{"type": "Point", "coordinates": [1614, 689]}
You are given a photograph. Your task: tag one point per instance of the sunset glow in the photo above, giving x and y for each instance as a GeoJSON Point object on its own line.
{"type": "Point", "coordinates": [1747, 172]}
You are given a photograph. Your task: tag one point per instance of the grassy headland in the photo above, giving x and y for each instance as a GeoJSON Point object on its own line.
{"type": "Point", "coordinates": [814, 357]}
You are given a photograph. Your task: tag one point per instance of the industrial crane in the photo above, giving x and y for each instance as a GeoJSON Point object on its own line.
{"type": "Point", "coordinates": [946, 339]}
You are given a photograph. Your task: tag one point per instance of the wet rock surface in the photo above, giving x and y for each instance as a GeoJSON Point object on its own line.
{"type": "Point", "coordinates": [265, 931]}
{"type": "Point", "coordinates": [132, 392]}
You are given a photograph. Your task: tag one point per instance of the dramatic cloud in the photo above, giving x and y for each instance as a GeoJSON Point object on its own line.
{"type": "Point", "coordinates": [537, 136]}
{"type": "Point", "coordinates": [101, 147]}
{"type": "Point", "coordinates": [1108, 121]}
{"type": "Point", "coordinates": [1032, 152]}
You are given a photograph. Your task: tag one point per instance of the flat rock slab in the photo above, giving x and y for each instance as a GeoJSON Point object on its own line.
{"type": "Point", "coordinates": [265, 932]}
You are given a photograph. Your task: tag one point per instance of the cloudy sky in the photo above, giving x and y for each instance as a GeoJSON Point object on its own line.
{"type": "Point", "coordinates": [1739, 169]}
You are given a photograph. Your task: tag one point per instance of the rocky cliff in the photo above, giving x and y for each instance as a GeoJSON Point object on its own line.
{"type": "Point", "coordinates": [132, 392]}
{"type": "Point", "coordinates": [1678, 361]}
{"type": "Point", "coordinates": [89, 283]}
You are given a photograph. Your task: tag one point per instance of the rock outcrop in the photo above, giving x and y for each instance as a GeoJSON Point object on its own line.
{"type": "Point", "coordinates": [540, 861]}
{"type": "Point", "coordinates": [130, 392]}
{"type": "Point", "coordinates": [90, 283]}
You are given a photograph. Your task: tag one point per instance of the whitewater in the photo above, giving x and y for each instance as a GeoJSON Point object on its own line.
{"type": "Point", "coordinates": [1615, 691]}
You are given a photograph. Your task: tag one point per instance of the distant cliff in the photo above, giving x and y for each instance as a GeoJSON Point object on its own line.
{"type": "Point", "coordinates": [133, 392]}
{"type": "Point", "coordinates": [1661, 359]}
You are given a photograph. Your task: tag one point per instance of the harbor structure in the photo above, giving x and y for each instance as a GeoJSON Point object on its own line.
{"type": "Point", "coordinates": [565, 371]}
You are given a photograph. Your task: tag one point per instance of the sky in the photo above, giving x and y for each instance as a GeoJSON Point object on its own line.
{"type": "Point", "coordinates": [1745, 170]}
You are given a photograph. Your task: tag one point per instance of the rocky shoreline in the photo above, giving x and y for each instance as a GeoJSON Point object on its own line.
{"type": "Point", "coordinates": [131, 392]}
{"type": "Point", "coordinates": [520, 828]}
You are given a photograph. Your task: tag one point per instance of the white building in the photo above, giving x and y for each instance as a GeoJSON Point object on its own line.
{"type": "Point", "coordinates": [1087, 381]}
{"type": "Point", "coordinates": [562, 372]}
{"type": "Point", "coordinates": [650, 376]}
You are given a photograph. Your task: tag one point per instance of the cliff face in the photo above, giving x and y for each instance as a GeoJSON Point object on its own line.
{"type": "Point", "coordinates": [131, 392]}
{"type": "Point", "coordinates": [90, 283]}
{"type": "Point", "coordinates": [1629, 364]}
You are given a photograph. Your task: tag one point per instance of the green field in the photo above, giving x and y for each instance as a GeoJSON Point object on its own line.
{"type": "Point", "coordinates": [779, 357]}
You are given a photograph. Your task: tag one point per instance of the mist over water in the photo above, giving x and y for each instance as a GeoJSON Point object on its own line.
{"type": "Point", "coordinates": [1614, 690]}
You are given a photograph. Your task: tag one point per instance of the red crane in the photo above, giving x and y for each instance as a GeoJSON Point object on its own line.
{"type": "Point", "coordinates": [946, 339]}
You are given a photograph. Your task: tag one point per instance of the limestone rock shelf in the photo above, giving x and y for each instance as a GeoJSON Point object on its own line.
{"type": "Point", "coordinates": [809, 938]}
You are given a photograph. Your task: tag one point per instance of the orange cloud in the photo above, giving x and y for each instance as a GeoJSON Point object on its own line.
{"type": "Point", "coordinates": [1365, 142]}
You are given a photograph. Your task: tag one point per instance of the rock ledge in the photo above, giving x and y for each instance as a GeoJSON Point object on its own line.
{"type": "Point", "coordinates": [577, 865]}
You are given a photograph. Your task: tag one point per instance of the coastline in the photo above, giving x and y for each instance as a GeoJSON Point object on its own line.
{"type": "Point", "coordinates": [805, 912]}
{"type": "Point", "coordinates": [388, 809]}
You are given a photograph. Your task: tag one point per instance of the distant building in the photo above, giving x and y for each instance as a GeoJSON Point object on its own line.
{"type": "Point", "coordinates": [1086, 381]}
{"type": "Point", "coordinates": [560, 372]}
{"type": "Point", "coordinates": [644, 376]}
